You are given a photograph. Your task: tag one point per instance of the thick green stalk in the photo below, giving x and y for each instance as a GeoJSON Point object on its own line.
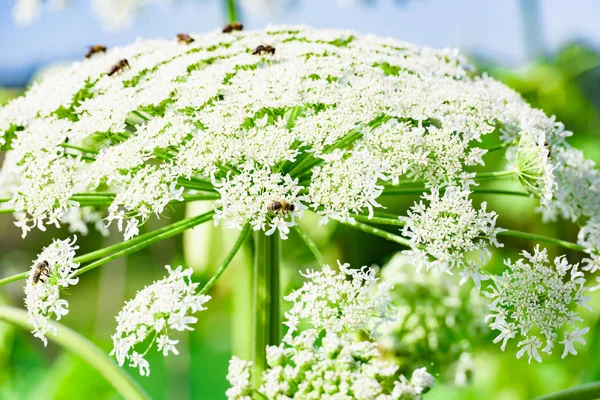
{"type": "Point", "coordinates": [73, 342]}
{"type": "Point", "coordinates": [266, 300]}
{"type": "Point", "coordinates": [589, 391]}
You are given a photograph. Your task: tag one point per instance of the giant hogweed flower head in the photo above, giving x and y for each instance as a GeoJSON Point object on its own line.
{"type": "Point", "coordinates": [322, 124]}
{"type": "Point", "coordinates": [322, 358]}
{"type": "Point", "coordinates": [444, 232]}
{"type": "Point", "coordinates": [340, 302]}
{"type": "Point", "coordinates": [538, 302]}
{"type": "Point", "coordinates": [52, 272]}
{"type": "Point", "coordinates": [154, 313]}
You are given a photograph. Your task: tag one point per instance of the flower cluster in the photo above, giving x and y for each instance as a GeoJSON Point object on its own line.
{"type": "Point", "coordinates": [437, 322]}
{"type": "Point", "coordinates": [165, 305]}
{"type": "Point", "coordinates": [332, 367]}
{"type": "Point", "coordinates": [325, 124]}
{"type": "Point", "coordinates": [52, 272]}
{"type": "Point", "coordinates": [331, 301]}
{"type": "Point", "coordinates": [448, 229]}
{"type": "Point", "coordinates": [324, 359]}
{"type": "Point", "coordinates": [247, 196]}
{"type": "Point", "coordinates": [534, 300]}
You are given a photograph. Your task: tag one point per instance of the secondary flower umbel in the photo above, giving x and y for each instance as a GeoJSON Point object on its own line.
{"type": "Point", "coordinates": [52, 272]}
{"type": "Point", "coordinates": [325, 360]}
{"type": "Point", "coordinates": [154, 313]}
{"type": "Point", "coordinates": [538, 302]}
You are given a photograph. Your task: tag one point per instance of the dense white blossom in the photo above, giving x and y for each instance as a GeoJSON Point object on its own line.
{"type": "Point", "coordinates": [154, 313]}
{"type": "Point", "coordinates": [325, 123]}
{"type": "Point", "coordinates": [51, 273]}
{"type": "Point", "coordinates": [447, 229]}
{"type": "Point", "coordinates": [336, 368]}
{"type": "Point", "coordinates": [536, 302]}
{"type": "Point", "coordinates": [340, 302]}
{"type": "Point", "coordinates": [239, 377]}
{"type": "Point", "coordinates": [322, 357]}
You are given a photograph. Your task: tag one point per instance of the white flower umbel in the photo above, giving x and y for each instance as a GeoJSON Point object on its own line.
{"type": "Point", "coordinates": [447, 229]}
{"type": "Point", "coordinates": [154, 313]}
{"type": "Point", "coordinates": [239, 377]}
{"type": "Point", "coordinates": [320, 356]}
{"type": "Point", "coordinates": [332, 367]}
{"type": "Point", "coordinates": [52, 272]}
{"type": "Point", "coordinates": [247, 196]}
{"type": "Point", "coordinates": [340, 302]}
{"type": "Point", "coordinates": [325, 123]}
{"type": "Point", "coordinates": [589, 237]}
{"type": "Point", "coordinates": [536, 302]}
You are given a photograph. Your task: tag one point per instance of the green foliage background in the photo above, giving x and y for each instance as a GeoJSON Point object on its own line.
{"type": "Point", "coordinates": [567, 86]}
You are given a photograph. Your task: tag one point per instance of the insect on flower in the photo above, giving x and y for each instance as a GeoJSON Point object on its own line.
{"type": "Point", "coordinates": [263, 49]}
{"type": "Point", "coordinates": [234, 26]}
{"type": "Point", "coordinates": [41, 269]}
{"type": "Point", "coordinates": [280, 206]}
{"type": "Point", "coordinates": [118, 67]}
{"type": "Point", "coordinates": [98, 48]}
{"type": "Point", "coordinates": [184, 38]}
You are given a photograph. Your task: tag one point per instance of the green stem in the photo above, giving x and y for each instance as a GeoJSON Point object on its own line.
{"type": "Point", "coordinates": [232, 14]}
{"type": "Point", "coordinates": [266, 298]}
{"type": "Point", "coordinates": [479, 176]}
{"type": "Point", "coordinates": [73, 342]}
{"type": "Point", "coordinates": [378, 232]}
{"type": "Point", "coordinates": [495, 174]}
{"type": "Point", "coordinates": [499, 147]}
{"type": "Point", "coordinates": [13, 278]}
{"type": "Point", "coordinates": [135, 245]}
{"type": "Point", "coordinates": [589, 391]}
{"type": "Point", "coordinates": [238, 244]}
{"type": "Point", "coordinates": [129, 246]}
{"type": "Point", "coordinates": [379, 220]}
{"type": "Point", "coordinates": [310, 243]}
{"type": "Point", "coordinates": [544, 239]}
{"type": "Point", "coordinates": [105, 199]}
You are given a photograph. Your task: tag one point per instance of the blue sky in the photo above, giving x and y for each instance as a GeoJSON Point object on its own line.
{"type": "Point", "coordinates": [492, 28]}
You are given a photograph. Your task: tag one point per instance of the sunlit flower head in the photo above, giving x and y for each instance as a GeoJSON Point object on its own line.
{"type": "Point", "coordinates": [51, 274]}
{"type": "Point", "coordinates": [155, 313]}
{"type": "Point", "coordinates": [326, 122]}
{"type": "Point", "coordinates": [537, 303]}
{"type": "Point", "coordinates": [447, 229]}
{"type": "Point", "coordinates": [340, 302]}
